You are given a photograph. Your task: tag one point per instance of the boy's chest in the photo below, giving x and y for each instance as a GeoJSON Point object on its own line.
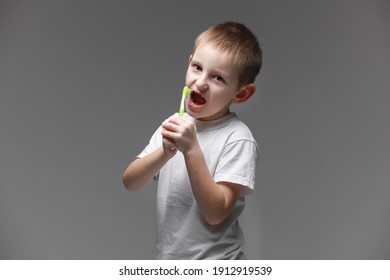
{"type": "Point", "coordinates": [174, 176]}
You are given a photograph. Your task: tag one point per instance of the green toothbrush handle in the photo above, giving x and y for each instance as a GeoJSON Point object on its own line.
{"type": "Point", "coordinates": [186, 92]}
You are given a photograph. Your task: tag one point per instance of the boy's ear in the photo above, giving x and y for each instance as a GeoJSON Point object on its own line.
{"type": "Point", "coordinates": [245, 93]}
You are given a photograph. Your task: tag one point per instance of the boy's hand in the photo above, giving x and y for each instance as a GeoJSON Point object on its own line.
{"type": "Point", "coordinates": [181, 133]}
{"type": "Point", "coordinates": [169, 146]}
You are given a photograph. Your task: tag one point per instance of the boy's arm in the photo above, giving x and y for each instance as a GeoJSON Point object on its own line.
{"type": "Point", "coordinates": [142, 170]}
{"type": "Point", "coordinates": [215, 200]}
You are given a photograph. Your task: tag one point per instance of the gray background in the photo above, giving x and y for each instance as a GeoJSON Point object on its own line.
{"type": "Point", "coordinates": [84, 84]}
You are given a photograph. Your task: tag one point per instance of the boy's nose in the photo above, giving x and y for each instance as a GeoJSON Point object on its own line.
{"type": "Point", "coordinates": [201, 83]}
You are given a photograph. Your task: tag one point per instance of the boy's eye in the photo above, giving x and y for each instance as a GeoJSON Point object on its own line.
{"type": "Point", "coordinates": [197, 67]}
{"type": "Point", "coordinates": [219, 78]}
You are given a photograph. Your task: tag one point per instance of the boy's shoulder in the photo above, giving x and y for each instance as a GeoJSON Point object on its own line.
{"type": "Point", "coordinates": [232, 129]}
{"type": "Point", "coordinates": [239, 130]}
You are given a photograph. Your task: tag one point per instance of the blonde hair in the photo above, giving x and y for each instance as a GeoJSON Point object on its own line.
{"type": "Point", "coordinates": [240, 43]}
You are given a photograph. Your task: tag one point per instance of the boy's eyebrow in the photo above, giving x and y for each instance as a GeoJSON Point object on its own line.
{"type": "Point", "coordinates": [226, 75]}
{"type": "Point", "coordinates": [214, 71]}
{"type": "Point", "coordinates": [193, 60]}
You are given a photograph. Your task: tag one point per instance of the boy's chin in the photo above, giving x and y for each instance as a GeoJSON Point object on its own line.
{"type": "Point", "coordinates": [196, 115]}
{"type": "Point", "coordinates": [193, 114]}
{"type": "Point", "coordinates": [205, 118]}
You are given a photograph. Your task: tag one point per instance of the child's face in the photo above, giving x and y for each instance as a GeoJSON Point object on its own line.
{"type": "Point", "coordinates": [213, 80]}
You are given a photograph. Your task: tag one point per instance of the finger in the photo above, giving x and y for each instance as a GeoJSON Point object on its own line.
{"type": "Point", "coordinates": [170, 126]}
{"type": "Point", "coordinates": [176, 120]}
{"type": "Point", "coordinates": [167, 139]}
{"type": "Point", "coordinates": [167, 142]}
{"type": "Point", "coordinates": [182, 124]}
{"type": "Point", "coordinates": [168, 134]}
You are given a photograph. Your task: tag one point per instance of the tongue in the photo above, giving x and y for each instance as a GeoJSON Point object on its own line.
{"type": "Point", "coordinates": [198, 99]}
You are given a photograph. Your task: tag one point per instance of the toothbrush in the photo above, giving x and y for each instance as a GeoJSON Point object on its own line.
{"type": "Point", "coordinates": [186, 92]}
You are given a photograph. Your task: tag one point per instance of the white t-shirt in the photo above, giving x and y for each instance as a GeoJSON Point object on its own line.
{"type": "Point", "coordinates": [231, 153]}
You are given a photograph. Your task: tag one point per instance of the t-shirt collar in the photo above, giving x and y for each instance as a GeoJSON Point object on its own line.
{"type": "Point", "coordinates": [210, 125]}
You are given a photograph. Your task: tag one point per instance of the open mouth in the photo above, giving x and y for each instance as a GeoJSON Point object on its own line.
{"type": "Point", "coordinates": [197, 98]}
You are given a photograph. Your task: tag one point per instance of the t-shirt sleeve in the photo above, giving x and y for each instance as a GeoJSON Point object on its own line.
{"type": "Point", "coordinates": [154, 143]}
{"type": "Point", "coordinates": [237, 164]}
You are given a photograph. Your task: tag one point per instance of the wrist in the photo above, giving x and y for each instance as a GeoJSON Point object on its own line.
{"type": "Point", "coordinates": [193, 150]}
{"type": "Point", "coordinates": [167, 153]}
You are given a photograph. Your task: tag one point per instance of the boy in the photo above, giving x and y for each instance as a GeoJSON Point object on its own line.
{"type": "Point", "coordinates": [205, 160]}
